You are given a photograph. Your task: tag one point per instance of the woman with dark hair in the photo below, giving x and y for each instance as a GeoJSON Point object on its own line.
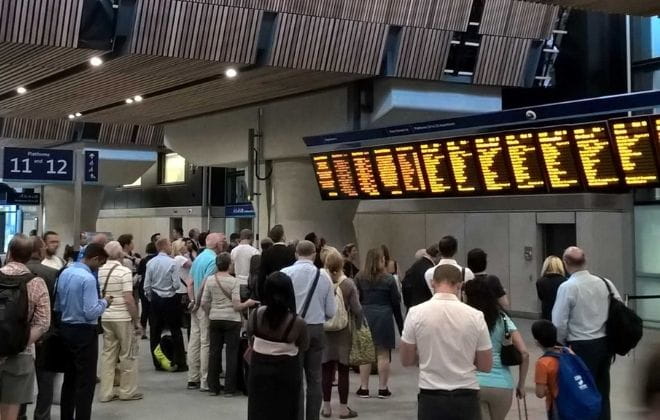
{"type": "Point", "coordinates": [496, 387]}
{"type": "Point", "coordinates": [390, 265]}
{"type": "Point", "coordinates": [381, 301]}
{"type": "Point", "coordinates": [192, 248]}
{"type": "Point", "coordinates": [278, 337]}
{"type": "Point", "coordinates": [350, 254]}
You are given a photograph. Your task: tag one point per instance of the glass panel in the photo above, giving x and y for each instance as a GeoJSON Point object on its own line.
{"type": "Point", "coordinates": [137, 183]}
{"type": "Point", "coordinates": [175, 169]}
{"type": "Point", "coordinates": [645, 33]}
{"type": "Point", "coordinates": [647, 241]}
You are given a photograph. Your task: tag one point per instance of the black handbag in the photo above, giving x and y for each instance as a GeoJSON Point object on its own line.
{"type": "Point", "coordinates": [510, 355]}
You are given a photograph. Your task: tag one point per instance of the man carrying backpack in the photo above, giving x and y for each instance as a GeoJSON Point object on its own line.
{"type": "Point", "coordinates": [580, 315]}
{"type": "Point", "coordinates": [25, 305]}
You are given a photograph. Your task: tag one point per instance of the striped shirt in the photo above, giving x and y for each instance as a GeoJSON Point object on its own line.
{"type": "Point", "coordinates": [120, 281]}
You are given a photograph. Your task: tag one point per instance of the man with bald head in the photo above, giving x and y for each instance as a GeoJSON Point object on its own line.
{"type": "Point", "coordinates": [161, 283]}
{"type": "Point", "coordinates": [198, 344]}
{"type": "Point", "coordinates": [315, 303]}
{"type": "Point", "coordinates": [99, 238]}
{"type": "Point", "coordinates": [580, 314]}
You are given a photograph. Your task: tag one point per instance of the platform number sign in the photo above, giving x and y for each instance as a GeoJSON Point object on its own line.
{"type": "Point", "coordinates": [91, 166]}
{"type": "Point", "coordinates": [20, 164]}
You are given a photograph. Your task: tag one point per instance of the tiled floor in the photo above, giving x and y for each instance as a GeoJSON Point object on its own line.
{"type": "Point", "coordinates": [166, 397]}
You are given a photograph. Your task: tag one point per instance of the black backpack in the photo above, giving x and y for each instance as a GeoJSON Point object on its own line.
{"type": "Point", "coordinates": [624, 328]}
{"type": "Point", "coordinates": [14, 321]}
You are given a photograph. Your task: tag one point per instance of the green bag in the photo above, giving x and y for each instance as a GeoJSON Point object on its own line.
{"type": "Point", "coordinates": [363, 351]}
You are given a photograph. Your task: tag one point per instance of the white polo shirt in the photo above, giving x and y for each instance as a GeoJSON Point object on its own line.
{"type": "Point", "coordinates": [448, 335]}
{"type": "Point", "coordinates": [428, 276]}
{"type": "Point", "coordinates": [241, 256]}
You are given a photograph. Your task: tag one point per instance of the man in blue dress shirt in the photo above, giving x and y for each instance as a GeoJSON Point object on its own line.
{"type": "Point", "coordinates": [80, 306]}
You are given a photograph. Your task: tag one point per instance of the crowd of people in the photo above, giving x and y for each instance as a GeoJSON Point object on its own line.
{"type": "Point", "coordinates": [290, 319]}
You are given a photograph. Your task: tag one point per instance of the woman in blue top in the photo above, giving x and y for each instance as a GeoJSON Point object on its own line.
{"type": "Point", "coordinates": [496, 393]}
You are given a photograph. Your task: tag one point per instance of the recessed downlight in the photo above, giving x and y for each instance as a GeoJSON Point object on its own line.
{"type": "Point", "coordinates": [71, 116]}
{"type": "Point", "coordinates": [137, 98]}
{"type": "Point", "coordinates": [78, 114]}
{"type": "Point", "coordinates": [129, 101]}
{"type": "Point", "coordinates": [21, 90]}
{"type": "Point", "coordinates": [95, 61]}
{"type": "Point", "coordinates": [231, 73]}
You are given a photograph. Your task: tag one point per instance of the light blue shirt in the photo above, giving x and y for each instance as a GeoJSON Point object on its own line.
{"type": "Point", "coordinates": [322, 306]}
{"type": "Point", "coordinates": [500, 375]}
{"type": "Point", "coordinates": [581, 308]}
{"type": "Point", "coordinates": [162, 277]}
{"type": "Point", "coordinates": [78, 296]}
{"type": "Point", "coordinates": [203, 267]}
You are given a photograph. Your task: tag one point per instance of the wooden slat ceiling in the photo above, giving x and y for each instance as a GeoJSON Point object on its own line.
{"type": "Point", "coordinates": [54, 23]}
{"type": "Point", "coordinates": [122, 134]}
{"type": "Point", "coordinates": [51, 130]}
{"type": "Point", "coordinates": [436, 14]}
{"type": "Point", "coordinates": [423, 53]}
{"type": "Point", "coordinates": [629, 7]}
{"type": "Point", "coordinates": [501, 61]}
{"type": "Point", "coordinates": [255, 86]}
{"type": "Point", "coordinates": [517, 19]}
{"type": "Point", "coordinates": [115, 81]}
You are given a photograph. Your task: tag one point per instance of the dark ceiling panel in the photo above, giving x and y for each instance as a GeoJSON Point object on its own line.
{"type": "Point", "coordinates": [629, 7]}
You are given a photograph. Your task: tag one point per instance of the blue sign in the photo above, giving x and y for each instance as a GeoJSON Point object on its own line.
{"type": "Point", "coordinates": [37, 164]}
{"type": "Point", "coordinates": [13, 197]}
{"type": "Point", "coordinates": [240, 211]}
{"type": "Point", "coordinates": [91, 166]}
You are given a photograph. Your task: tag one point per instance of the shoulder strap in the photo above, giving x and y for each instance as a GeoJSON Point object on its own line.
{"type": "Point", "coordinates": [224, 291]}
{"type": "Point", "coordinates": [506, 326]}
{"type": "Point", "coordinates": [463, 273]}
{"type": "Point", "coordinates": [609, 289]}
{"type": "Point", "coordinates": [310, 293]}
{"type": "Point", "coordinates": [288, 329]}
{"type": "Point", "coordinates": [105, 285]}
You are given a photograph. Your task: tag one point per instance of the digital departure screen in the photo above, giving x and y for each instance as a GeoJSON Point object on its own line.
{"type": "Point", "coordinates": [603, 156]}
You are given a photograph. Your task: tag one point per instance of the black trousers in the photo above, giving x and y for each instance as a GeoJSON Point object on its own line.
{"type": "Point", "coordinates": [45, 384]}
{"type": "Point", "coordinates": [223, 333]}
{"type": "Point", "coordinates": [82, 346]}
{"type": "Point", "coordinates": [166, 313]}
{"type": "Point", "coordinates": [462, 404]}
{"type": "Point", "coordinates": [144, 316]}
{"type": "Point", "coordinates": [597, 357]}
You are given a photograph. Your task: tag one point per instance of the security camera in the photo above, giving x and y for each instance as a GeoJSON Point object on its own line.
{"type": "Point", "coordinates": [189, 211]}
{"type": "Point", "coordinates": [530, 115]}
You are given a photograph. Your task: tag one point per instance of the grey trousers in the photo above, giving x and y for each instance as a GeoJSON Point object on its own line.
{"type": "Point", "coordinates": [46, 384]}
{"type": "Point", "coordinates": [311, 396]}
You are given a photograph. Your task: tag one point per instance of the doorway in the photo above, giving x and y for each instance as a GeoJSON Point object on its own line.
{"type": "Point", "coordinates": [175, 223]}
{"type": "Point", "coordinates": [558, 237]}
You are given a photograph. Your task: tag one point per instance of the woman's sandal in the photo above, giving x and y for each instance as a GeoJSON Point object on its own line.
{"type": "Point", "coordinates": [351, 415]}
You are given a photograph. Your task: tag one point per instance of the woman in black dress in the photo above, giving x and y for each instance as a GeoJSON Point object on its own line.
{"type": "Point", "coordinates": [350, 254]}
{"type": "Point", "coordinates": [552, 276]}
{"type": "Point", "coordinates": [278, 337]}
{"type": "Point", "coordinates": [381, 305]}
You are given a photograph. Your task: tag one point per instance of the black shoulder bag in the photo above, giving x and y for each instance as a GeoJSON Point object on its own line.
{"type": "Point", "coordinates": [310, 293]}
{"type": "Point", "coordinates": [510, 355]}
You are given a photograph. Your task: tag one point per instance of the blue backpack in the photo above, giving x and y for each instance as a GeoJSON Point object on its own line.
{"type": "Point", "coordinates": [578, 396]}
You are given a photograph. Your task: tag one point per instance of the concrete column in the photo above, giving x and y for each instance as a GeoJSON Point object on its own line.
{"type": "Point", "coordinates": [59, 210]}
{"type": "Point", "coordinates": [297, 205]}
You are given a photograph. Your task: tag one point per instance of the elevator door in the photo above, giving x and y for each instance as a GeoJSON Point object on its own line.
{"type": "Point", "coordinates": [558, 237]}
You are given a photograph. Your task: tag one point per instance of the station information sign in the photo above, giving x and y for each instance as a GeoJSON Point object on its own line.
{"type": "Point", "coordinates": [602, 156]}
{"type": "Point", "coordinates": [31, 165]}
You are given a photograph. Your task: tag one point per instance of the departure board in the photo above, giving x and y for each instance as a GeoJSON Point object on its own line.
{"type": "Point", "coordinates": [596, 155]}
{"type": "Point", "coordinates": [604, 156]}
{"type": "Point", "coordinates": [387, 172]}
{"type": "Point", "coordinates": [525, 161]}
{"type": "Point", "coordinates": [463, 165]}
{"type": "Point", "coordinates": [635, 149]}
{"type": "Point", "coordinates": [559, 159]}
{"type": "Point", "coordinates": [493, 163]}
{"type": "Point", "coordinates": [437, 168]}
{"type": "Point", "coordinates": [411, 169]}
{"type": "Point", "coordinates": [364, 174]}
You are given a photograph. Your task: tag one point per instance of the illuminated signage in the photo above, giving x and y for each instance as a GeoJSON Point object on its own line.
{"type": "Point", "coordinates": [602, 156]}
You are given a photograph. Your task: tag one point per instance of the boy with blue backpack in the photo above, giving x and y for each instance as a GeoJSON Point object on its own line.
{"type": "Point", "coordinates": [563, 379]}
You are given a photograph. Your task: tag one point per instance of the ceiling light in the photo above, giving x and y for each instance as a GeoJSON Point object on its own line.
{"type": "Point", "coordinates": [71, 116]}
{"type": "Point", "coordinates": [95, 61]}
{"type": "Point", "coordinates": [137, 98]}
{"type": "Point", "coordinates": [231, 73]}
{"type": "Point", "coordinates": [78, 114]}
{"type": "Point", "coordinates": [129, 101]}
{"type": "Point", "coordinates": [21, 90]}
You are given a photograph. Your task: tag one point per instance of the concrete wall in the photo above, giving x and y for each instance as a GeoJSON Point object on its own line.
{"type": "Point", "coordinates": [58, 201]}
{"type": "Point", "coordinates": [605, 234]}
{"type": "Point", "coordinates": [222, 139]}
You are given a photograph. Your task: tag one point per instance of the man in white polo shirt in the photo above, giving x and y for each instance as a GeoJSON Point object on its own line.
{"type": "Point", "coordinates": [451, 342]}
{"type": "Point", "coordinates": [448, 247]}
